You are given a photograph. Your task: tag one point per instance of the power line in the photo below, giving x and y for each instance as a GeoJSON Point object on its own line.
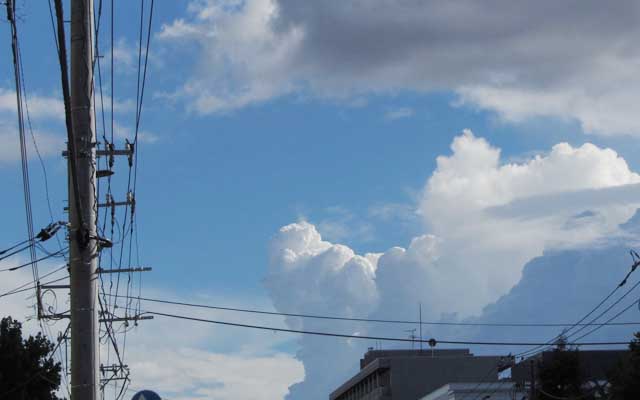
{"type": "Point", "coordinates": [26, 188]}
{"type": "Point", "coordinates": [53, 26]}
{"type": "Point", "coordinates": [608, 309]}
{"type": "Point", "coordinates": [57, 253]}
{"type": "Point", "coordinates": [140, 86]}
{"type": "Point", "coordinates": [14, 252]}
{"type": "Point", "coordinates": [110, 334]}
{"type": "Point", "coordinates": [365, 337]}
{"type": "Point", "coordinates": [22, 288]}
{"type": "Point", "coordinates": [627, 308]}
{"type": "Point", "coordinates": [52, 228]}
{"type": "Point", "coordinates": [597, 326]}
{"type": "Point", "coordinates": [14, 246]}
{"type": "Point", "coordinates": [16, 291]}
{"type": "Point", "coordinates": [33, 138]}
{"type": "Point", "coordinates": [129, 224]}
{"type": "Point", "coordinates": [337, 318]}
{"type": "Point", "coordinates": [636, 262]}
{"type": "Point", "coordinates": [45, 234]}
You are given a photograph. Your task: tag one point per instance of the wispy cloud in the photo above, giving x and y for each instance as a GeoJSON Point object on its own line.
{"type": "Point", "coordinates": [337, 223]}
{"type": "Point", "coordinates": [399, 113]}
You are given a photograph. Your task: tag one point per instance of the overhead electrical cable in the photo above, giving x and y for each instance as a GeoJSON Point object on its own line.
{"type": "Point", "coordinates": [34, 141]}
{"type": "Point", "coordinates": [16, 291]}
{"type": "Point", "coordinates": [31, 283]}
{"type": "Point", "coordinates": [607, 310]}
{"type": "Point", "coordinates": [14, 246]}
{"type": "Point", "coordinates": [45, 234]}
{"type": "Point", "coordinates": [21, 96]}
{"type": "Point", "coordinates": [57, 253]}
{"type": "Point", "coordinates": [53, 26]}
{"type": "Point", "coordinates": [140, 90]}
{"type": "Point", "coordinates": [627, 308]}
{"type": "Point", "coordinates": [373, 320]}
{"type": "Point", "coordinates": [16, 251]}
{"type": "Point", "coordinates": [579, 323]}
{"type": "Point", "coordinates": [366, 337]}
{"type": "Point", "coordinates": [26, 185]}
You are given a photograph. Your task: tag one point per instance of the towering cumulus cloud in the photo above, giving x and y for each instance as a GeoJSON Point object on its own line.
{"type": "Point", "coordinates": [309, 275]}
{"type": "Point", "coordinates": [482, 225]}
{"type": "Point", "coordinates": [305, 268]}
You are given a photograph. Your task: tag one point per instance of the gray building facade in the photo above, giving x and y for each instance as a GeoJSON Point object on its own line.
{"type": "Point", "coordinates": [504, 390]}
{"type": "Point", "coordinates": [412, 374]}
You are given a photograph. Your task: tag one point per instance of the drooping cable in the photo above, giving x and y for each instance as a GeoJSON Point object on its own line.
{"type": "Point", "coordinates": [624, 310]}
{"type": "Point", "coordinates": [45, 234]}
{"type": "Point", "coordinates": [22, 288]}
{"type": "Point", "coordinates": [579, 323]}
{"type": "Point", "coordinates": [366, 337]}
{"type": "Point", "coordinates": [21, 132]}
{"type": "Point", "coordinates": [371, 320]}
{"type": "Point", "coordinates": [28, 264]}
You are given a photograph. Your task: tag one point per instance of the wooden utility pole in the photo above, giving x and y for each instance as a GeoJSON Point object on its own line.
{"type": "Point", "coordinates": [83, 245]}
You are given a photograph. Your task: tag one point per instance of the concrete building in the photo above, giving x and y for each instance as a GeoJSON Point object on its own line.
{"type": "Point", "coordinates": [412, 374]}
{"type": "Point", "coordinates": [502, 390]}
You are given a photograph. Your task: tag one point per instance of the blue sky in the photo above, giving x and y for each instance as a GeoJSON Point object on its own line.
{"type": "Point", "coordinates": [286, 136]}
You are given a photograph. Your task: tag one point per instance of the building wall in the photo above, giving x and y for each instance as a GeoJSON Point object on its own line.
{"type": "Point", "coordinates": [476, 390]}
{"type": "Point", "coordinates": [410, 375]}
{"type": "Point", "coordinates": [372, 386]}
{"type": "Point", "coordinates": [413, 378]}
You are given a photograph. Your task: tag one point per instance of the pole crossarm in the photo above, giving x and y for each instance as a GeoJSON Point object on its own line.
{"type": "Point", "coordinates": [121, 270]}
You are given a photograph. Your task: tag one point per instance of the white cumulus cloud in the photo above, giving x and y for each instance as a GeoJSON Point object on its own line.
{"type": "Point", "coordinates": [242, 57]}
{"type": "Point", "coordinates": [471, 254]}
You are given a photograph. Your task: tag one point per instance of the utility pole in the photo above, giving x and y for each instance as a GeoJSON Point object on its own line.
{"type": "Point", "coordinates": [83, 244]}
{"type": "Point", "coordinates": [420, 312]}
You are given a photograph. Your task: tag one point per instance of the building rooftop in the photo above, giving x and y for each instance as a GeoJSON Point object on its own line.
{"type": "Point", "coordinates": [411, 374]}
{"type": "Point", "coordinates": [372, 355]}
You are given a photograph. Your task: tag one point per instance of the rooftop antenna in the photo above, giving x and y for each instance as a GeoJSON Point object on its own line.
{"type": "Point", "coordinates": [412, 336]}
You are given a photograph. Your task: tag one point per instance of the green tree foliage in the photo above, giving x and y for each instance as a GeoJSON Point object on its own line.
{"type": "Point", "coordinates": [625, 379]}
{"type": "Point", "coordinates": [27, 371]}
{"type": "Point", "coordinates": [559, 375]}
